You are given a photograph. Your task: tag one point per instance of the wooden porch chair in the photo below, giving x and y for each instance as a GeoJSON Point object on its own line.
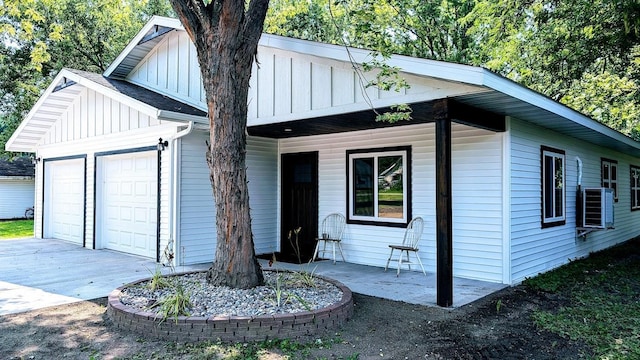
{"type": "Point", "coordinates": [409, 244]}
{"type": "Point", "coordinates": [332, 229]}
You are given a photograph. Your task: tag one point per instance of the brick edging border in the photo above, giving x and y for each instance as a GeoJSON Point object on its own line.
{"type": "Point", "coordinates": [300, 326]}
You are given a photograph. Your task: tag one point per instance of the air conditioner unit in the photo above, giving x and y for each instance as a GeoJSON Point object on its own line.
{"type": "Point", "coordinates": [597, 208]}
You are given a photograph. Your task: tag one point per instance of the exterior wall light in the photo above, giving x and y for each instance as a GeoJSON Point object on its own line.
{"type": "Point", "coordinates": [35, 160]}
{"type": "Point", "coordinates": [162, 145]}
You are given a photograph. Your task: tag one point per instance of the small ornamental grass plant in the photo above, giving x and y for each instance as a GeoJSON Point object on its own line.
{"type": "Point", "coordinates": [176, 303]}
{"type": "Point", "coordinates": [158, 281]}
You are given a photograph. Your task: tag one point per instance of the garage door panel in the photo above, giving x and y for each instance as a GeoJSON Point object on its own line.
{"type": "Point", "coordinates": [64, 200]}
{"type": "Point", "coordinates": [130, 200]}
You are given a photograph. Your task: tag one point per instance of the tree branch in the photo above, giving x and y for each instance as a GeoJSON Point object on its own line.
{"type": "Point", "coordinates": [193, 15]}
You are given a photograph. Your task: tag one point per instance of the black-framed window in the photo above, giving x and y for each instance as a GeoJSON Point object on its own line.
{"type": "Point", "coordinates": [609, 170]}
{"type": "Point", "coordinates": [635, 187]}
{"type": "Point", "coordinates": [553, 187]}
{"type": "Point", "coordinates": [379, 186]}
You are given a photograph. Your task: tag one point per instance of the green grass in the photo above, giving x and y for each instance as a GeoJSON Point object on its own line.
{"type": "Point", "coordinates": [390, 196]}
{"type": "Point", "coordinates": [602, 308]}
{"type": "Point", "coordinates": [241, 351]}
{"type": "Point", "coordinates": [12, 229]}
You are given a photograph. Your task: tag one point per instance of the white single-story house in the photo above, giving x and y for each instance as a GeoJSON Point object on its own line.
{"type": "Point", "coordinates": [17, 187]}
{"type": "Point", "coordinates": [494, 168]}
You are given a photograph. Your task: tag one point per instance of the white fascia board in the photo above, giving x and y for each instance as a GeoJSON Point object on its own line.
{"type": "Point", "coordinates": [9, 145]}
{"type": "Point", "coordinates": [155, 20]}
{"type": "Point", "coordinates": [166, 115]}
{"type": "Point", "coordinates": [517, 91]}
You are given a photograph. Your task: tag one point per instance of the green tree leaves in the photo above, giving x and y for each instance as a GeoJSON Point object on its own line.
{"type": "Point", "coordinates": [575, 51]}
{"type": "Point", "coordinates": [39, 37]}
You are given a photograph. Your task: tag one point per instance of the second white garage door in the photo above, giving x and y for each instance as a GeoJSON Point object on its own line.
{"type": "Point", "coordinates": [128, 202]}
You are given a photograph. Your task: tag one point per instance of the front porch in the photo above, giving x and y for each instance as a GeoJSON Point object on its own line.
{"type": "Point", "coordinates": [410, 287]}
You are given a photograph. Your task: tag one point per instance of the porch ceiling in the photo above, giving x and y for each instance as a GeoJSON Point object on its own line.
{"type": "Point", "coordinates": [423, 112]}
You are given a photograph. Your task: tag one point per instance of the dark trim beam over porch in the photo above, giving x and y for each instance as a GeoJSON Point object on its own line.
{"type": "Point", "coordinates": [423, 112]}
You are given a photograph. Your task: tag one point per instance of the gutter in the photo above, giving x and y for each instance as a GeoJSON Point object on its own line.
{"type": "Point", "coordinates": [174, 206]}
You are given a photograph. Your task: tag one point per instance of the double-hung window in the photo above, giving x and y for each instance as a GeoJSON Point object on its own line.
{"type": "Point", "coordinates": [635, 187]}
{"type": "Point", "coordinates": [610, 175]}
{"type": "Point", "coordinates": [379, 184]}
{"type": "Point", "coordinates": [553, 187]}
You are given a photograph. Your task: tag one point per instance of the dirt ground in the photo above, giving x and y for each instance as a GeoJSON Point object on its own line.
{"type": "Point", "coordinates": [380, 329]}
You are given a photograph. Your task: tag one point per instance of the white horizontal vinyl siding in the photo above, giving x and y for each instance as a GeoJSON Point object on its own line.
{"type": "Point", "coordinates": [37, 205]}
{"type": "Point", "coordinates": [262, 172]}
{"type": "Point", "coordinates": [534, 249]}
{"type": "Point", "coordinates": [477, 194]}
{"type": "Point", "coordinates": [16, 195]}
{"type": "Point", "coordinates": [197, 240]}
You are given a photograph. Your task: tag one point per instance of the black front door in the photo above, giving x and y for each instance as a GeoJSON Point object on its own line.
{"type": "Point", "coordinates": [299, 206]}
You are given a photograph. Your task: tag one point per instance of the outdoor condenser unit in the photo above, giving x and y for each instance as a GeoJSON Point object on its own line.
{"type": "Point", "coordinates": [597, 208]}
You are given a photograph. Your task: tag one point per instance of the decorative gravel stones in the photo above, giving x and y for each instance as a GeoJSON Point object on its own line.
{"type": "Point", "coordinates": [283, 308]}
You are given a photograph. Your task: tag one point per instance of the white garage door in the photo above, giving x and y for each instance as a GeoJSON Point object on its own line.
{"type": "Point", "coordinates": [128, 202]}
{"type": "Point", "coordinates": [64, 200]}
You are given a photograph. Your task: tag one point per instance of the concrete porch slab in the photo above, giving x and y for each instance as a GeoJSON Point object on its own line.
{"type": "Point", "coordinates": [411, 286]}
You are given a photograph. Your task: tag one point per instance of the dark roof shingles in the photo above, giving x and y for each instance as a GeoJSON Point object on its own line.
{"type": "Point", "coordinates": [20, 166]}
{"type": "Point", "coordinates": [152, 98]}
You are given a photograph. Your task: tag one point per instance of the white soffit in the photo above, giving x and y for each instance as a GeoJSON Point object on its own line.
{"type": "Point", "coordinates": [55, 100]}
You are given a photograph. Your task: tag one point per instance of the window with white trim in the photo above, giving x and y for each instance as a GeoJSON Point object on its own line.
{"type": "Point", "coordinates": [610, 175]}
{"type": "Point", "coordinates": [379, 186]}
{"type": "Point", "coordinates": [635, 187]}
{"type": "Point", "coordinates": [553, 189]}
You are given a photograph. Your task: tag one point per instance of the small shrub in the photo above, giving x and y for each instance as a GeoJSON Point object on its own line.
{"type": "Point", "coordinates": [158, 281]}
{"type": "Point", "coordinates": [175, 304]}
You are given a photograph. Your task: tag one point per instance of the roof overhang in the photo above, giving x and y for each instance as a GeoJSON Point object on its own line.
{"type": "Point", "coordinates": [146, 39]}
{"type": "Point", "coordinates": [69, 84]}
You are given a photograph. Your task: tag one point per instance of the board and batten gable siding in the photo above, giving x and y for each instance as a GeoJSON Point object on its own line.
{"type": "Point", "coordinates": [286, 85]}
{"type": "Point", "coordinates": [16, 195]}
{"type": "Point", "coordinates": [477, 194]}
{"type": "Point", "coordinates": [93, 114]}
{"type": "Point", "coordinates": [196, 204]}
{"type": "Point", "coordinates": [534, 249]}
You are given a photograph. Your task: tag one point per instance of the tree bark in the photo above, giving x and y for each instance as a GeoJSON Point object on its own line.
{"type": "Point", "coordinates": [226, 38]}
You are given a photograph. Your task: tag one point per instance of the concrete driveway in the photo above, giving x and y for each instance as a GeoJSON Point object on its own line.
{"type": "Point", "coordinates": [36, 273]}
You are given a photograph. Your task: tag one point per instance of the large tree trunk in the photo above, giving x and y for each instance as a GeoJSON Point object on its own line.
{"type": "Point", "coordinates": [226, 39]}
